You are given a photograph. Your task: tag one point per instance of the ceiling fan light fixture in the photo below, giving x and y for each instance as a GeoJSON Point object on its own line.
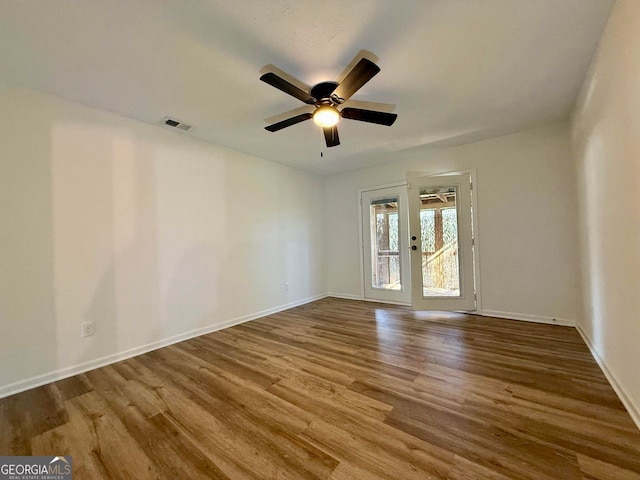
{"type": "Point", "coordinates": [326, 116]}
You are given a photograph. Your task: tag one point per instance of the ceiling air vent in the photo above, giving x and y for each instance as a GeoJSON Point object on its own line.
{"type": "Point", "coordinates": [172, 122]}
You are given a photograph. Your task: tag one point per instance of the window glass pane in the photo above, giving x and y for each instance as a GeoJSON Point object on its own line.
{"type": "Point", "coordinates": [439, 232]}
{"type": "Point", "coordinates": [427, 229]}
{"type": "Point", "coordinates": [385, 254]}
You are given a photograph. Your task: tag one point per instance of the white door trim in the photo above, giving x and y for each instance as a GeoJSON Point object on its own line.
{"type": "Point", "coordinates": [473, 172]}
{"type": "Point", "coordinates": [465, 299]}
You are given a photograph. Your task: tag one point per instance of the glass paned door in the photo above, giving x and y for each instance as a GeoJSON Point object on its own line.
{"type": "Point", "coordinates": [441, 243]}
{"type": "Point", "coordinates": [385, 230]}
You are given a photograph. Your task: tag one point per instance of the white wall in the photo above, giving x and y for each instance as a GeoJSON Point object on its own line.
{"type": "Point", "coordinates": [150, 234]}
{"type": "Point", "coordinates": [606, 141]}
{"type": "Point", "coordinates": [527, 226]}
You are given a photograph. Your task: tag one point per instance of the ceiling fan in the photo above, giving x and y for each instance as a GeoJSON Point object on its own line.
{"type": "Point", "coordinates": [327, 97]}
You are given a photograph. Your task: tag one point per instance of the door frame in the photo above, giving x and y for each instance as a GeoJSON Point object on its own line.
{"type": "Point", "coordinates": [475, 225]}
{"type": "Point", "coordinates": [473, 173]}
{"type": "Point", "coordinates": [401, 184]}
{"type": "Point", "coordinates": [460, 185]}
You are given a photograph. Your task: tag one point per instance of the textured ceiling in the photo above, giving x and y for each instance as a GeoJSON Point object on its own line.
{"type": "Point", "coordinates": [457, 70]}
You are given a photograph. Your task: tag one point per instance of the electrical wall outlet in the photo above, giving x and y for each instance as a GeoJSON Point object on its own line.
{"type": "Point", "coordinates": [286, 286]}
{"type": "Point", "coordinates": [88, 329]}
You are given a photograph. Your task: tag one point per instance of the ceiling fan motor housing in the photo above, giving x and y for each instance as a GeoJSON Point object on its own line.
{"type": "Point", "coordinates": [322, 92]}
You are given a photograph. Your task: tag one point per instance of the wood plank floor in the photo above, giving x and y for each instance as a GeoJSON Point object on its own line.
{"type": "Point", "coordinates": [340, 390]}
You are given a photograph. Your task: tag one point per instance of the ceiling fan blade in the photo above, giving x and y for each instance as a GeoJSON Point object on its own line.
{"type": "Point", "coordinates": [370, 116]}
{"type": "Point", "coordinates": [288, 122]}
{"type": "Point", "coordinates": [292, 113]}
{"type": "Point", "coordinates": [281, 84]}
{"type": "Point", "coordinates": [331, 136]}
{"type": "Point", "coordinates": [364, 71]}
{"type": "Point", "coordinates": [365, 105]}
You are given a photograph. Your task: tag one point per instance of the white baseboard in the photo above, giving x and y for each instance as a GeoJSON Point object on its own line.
{"type": "Point", "coordinates": [528, 318]}
{"type": "Point", "coordinates": [390, 302]}
{"type": "Point", "coordinates": [346, 296]}
{"type": "Point", "coordinates": [634, 411]}
{"type": "Point", "coordinates": [39, 380]}
{"type": "Point", "coordinates": [486, 313]}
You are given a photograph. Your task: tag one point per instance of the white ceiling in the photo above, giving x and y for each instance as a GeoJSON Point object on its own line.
{"type": "Point", "coordinates": [457, 70]}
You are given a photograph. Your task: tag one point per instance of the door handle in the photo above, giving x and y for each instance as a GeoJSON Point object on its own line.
{"type": "Point", "coordinates": [413, 247]}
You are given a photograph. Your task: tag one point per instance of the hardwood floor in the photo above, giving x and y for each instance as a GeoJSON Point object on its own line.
{"type": "Point", "coordinates": [340, 390]}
